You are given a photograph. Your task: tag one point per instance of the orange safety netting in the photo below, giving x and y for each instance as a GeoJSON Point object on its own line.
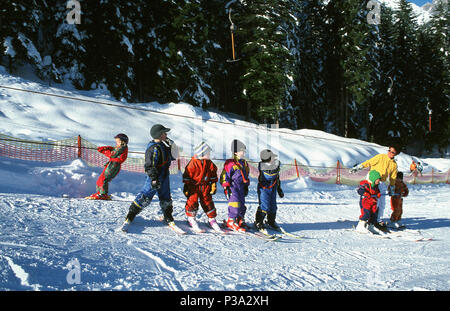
{"type": "Point", "coordinates": [78, 148]}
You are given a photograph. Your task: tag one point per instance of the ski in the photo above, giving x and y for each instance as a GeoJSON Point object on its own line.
{"type": "Point", "coordinates": [409, 235]}
{"type": "Point", "coordinates": [287, 233]}
{"type": "Point", "coordinates": [379, 236]}
{"type": "Point", "coordinates": [193, 224]}
{"type": "Point", "coordinates": [283, 232]}
{"type": "Point", "coordinates": [172, 226]}
{"type": "Point", "coordinates": [256, 234]}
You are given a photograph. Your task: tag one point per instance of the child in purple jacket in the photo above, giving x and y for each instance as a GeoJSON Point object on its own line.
{"type": "Point", "coordinates": [235, 181]}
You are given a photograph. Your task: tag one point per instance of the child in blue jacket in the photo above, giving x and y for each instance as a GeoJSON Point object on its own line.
{"type": "Point", "coordinates": [268, 186]}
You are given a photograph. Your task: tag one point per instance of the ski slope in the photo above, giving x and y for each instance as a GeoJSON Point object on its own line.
{"type": "Point", "coordinates": [45, 236]}
{"type": "Point", "coordinates": [42, 236]}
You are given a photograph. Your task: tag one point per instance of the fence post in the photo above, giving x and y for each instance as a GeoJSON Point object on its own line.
{"type": "Point", "coordinates": [338, 173]}
{"type": "Point", "coordinates": [296, 168]}
{"type": "Point", "coordinates": [179, 165]}
{"type": "Point", "coordinates": [79, 146]}
{"type": "Point", "coordinates": [432, 175]}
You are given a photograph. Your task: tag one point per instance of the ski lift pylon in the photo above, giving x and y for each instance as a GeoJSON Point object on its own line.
{"type": "Point", "coordinates": [232, 29]}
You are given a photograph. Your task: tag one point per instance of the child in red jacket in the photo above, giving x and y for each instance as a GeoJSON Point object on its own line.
{"type": "Point", "coordinates": [200, 178]}
{"type": "Point", "coordinates": [116, 156]}
{"type": "Point", "coordinates": [369, 192]}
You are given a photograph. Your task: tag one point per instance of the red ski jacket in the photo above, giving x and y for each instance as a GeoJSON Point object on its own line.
{"type": "Point", "coordinates": [200, 172]}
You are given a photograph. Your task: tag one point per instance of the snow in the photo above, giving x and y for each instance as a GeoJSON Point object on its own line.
{"type": "Point", "coordinates": [46, 225]}
{"type": "Point", "coordinates": [9, 49]}
{"type": "Point", "coordinates": [423, 13]}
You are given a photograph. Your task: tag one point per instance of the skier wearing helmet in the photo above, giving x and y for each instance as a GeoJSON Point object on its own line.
{"type": "Point", "coordinates": [235, 181]}
{"type": "Point", "coordinates": [117, 155]}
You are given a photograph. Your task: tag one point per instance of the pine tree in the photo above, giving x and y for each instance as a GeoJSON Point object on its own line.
{"type": "Point", "coordinates": [381, 101]}
{"type": "Point", "coordinates": [268, 68]}
{"type": "Point", "coordinates": [308, 42]}
{"type": "Point", "coordinates": [438, 90]}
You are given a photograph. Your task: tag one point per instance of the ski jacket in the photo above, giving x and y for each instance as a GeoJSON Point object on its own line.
{"type": "Point", "coordinates": [400, 189]}
{"type": "Point", "coordinates": [269, 175]}
{"type": "Point", "coordinates": [115, 155]}
{"type": "Point", "coordinates": [235, 173]}
{"type": "Point", "coordinates": [369, 195]}
{"type": "Point", "coordinates": [412, 167]}
{"type": "Point", "coordinates": [200, 172]}
{"type": "Point", "coordinates": [158, 158]}
{"type": "Point", "coordinates": [384, 165]}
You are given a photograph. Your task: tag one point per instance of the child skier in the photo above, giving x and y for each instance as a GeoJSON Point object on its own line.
{"type": "Point", "coordinates": [268, 187]}
{"type": "Point", "coordinates": [117, 155]}
{"type": "Point", "coordinates": [200, 178]}
{"type": "Point", "coordinates": [369, 192]}
{"type": "Point", "coordinates": [400, 191]}
{"type": "Point", "coordinates": [235, 181]}
{"type": "Point", "coordinates": [158, 157]}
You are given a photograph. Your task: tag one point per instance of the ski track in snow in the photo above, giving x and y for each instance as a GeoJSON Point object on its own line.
{"type": "Point", "coordinates": [41, 235]}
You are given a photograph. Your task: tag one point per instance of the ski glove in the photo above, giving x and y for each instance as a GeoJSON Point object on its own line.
{"type": "Point", "coordinates": [390, 191]}
{"type": "Point", "coordinates": [280, 192]}
{"type": "Point", "coordinates": [156, 184]}
{"type": "Point", "coordinates": [356, 168]}
{"type": "Point", "coordinates": [186, 190]}
{"type": "Point", "coordinates": [213, 188]}
{"type": "Point", "coordinates": [227, 191]}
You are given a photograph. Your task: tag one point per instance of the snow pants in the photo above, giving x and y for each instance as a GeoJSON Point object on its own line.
{"type": "Point", "coordinates": [202, 193]}
{"type": "Point", "coordinates": [267, 199]}
{"type": "Point", "coordinates": [109, 172]}
{"type": "Point", "coordinates": [396, 207]}
{"type": "Point", "coordinates": [236, 203]}
{"type": "Point", "coordinates": [368, 210]}
{"type": "Point", "coordinates": [144, 198]}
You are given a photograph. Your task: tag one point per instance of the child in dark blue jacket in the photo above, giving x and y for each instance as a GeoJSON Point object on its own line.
{"type": "Point", "coordinates": [268, 186]}
{"type": "Point", "coordinates": [158, 157]}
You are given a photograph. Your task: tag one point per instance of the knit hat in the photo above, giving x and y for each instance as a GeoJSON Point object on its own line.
{"type": "Point", "coordinates": [202, 149]}
{"type": "Point", "coordinates": [157, 130]}
{"type": "Point", "coordinates": [237, 145]}
{"type": "Point", "coordinates": [373, 176]}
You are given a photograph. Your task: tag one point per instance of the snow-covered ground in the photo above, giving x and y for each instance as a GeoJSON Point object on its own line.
{"type": "Point", "coordinates": [44, 237]}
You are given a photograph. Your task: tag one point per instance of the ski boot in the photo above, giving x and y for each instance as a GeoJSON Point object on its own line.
{"type": "Point", "coordinates": [234, 225]}
{"type": "Point", "coordinates": [362, 227]}
{"type": "Point", "coordinates": [213, 223]}
{"type": "Point", "coordinates": [259, 219]}
{"type": "Point", "coordinates": [194, 224]}
{"type": "Point", "coordinates": [271, 221]}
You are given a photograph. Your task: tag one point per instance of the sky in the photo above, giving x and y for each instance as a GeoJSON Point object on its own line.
{"type": "Point", "coordinates": [420, 2]}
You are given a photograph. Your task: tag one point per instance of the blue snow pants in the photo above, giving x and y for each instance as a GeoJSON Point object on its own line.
{"type": "Point", "coordinates": [268, 199]}
{"type": "Point", "coordinates": [144, 198]}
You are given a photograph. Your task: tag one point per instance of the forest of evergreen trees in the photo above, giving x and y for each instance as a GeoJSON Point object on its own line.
{"type": "Point", "coordinates": [300, 63]}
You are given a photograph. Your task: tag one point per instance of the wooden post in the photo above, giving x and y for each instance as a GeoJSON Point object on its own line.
{"type": "Point", "coordinates": [79, 146]}
{"type": "Point", "coordinates": [432, 175]}
{"type": "Point", "coordinates": [338, 173]}
{"type": "Point", "coordinates": [179, 165]}
{"type": "Point", "coordinates": [296, 168]}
